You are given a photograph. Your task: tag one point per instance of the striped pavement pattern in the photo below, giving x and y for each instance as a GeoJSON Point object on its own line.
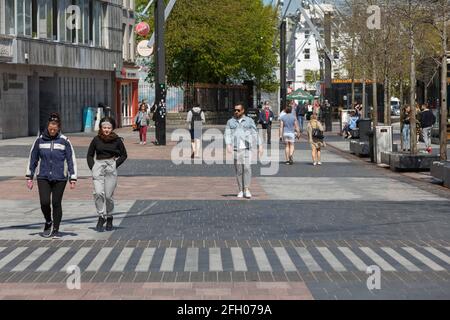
{"type": "Point", "coordinates": [259, 259]}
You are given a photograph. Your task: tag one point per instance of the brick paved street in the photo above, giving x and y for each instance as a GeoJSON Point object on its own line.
{"type": "Point", "coordinates": [308, 233]}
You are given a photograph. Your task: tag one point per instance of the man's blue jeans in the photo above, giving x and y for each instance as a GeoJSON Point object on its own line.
{"type": "Point", "coordinates": [406, 136]}
{"type": "Point", "coordinates": [301, 120]}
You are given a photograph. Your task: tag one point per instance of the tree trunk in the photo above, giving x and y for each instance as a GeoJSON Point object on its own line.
{"type": "Point", "coordinates": [412, 91]}
{"type": "Point", "coordinates": [444, 110]}
{"type": "Point", "coordinates": [402, 99]}
{"type": "Point", "coordinates": [387, 105]}
{"type": "Point", "coordinates": [364, 102]}
{"type": "Point", "coordinates": [353, 70]}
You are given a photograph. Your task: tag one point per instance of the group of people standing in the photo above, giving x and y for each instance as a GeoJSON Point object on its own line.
{"type": "Point", "coordinates": [52, 151]}
{"type": "Point", "coordinates": [425, 119]}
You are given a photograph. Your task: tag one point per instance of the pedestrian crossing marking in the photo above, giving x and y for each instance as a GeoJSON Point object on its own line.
{"type": "Point", "coordinates": [331, 259]}
{"type": "Point", "coordinates": [30, 259]}
{"type": "Point", "coordinates": [215, 259]}
{"type": "Point", "coordinates": [416, 254]}
{"type": "Point", "coordinates": [168, 261]}
{"type": "Point", "coordinates": [146, 260]}
{"type": "Point", "coordinates": [76, 259]}
{"type": "Point", "coordinates": [261, 259]}
{"type": "Point", "coordinates": [307, 258]}
{"type": "Point", "coordinates": [284, 258]}
{"type": "Point", "coordinates": [402, 260]}
{"type": "Point", "coordinates": [357, 262]}
{"type": "Point", "coordinates": [438, 254]}
{"type": "Point", "coordinates": [377, 259]}
{"type": "Point", "coordinates": [122, 260]}
{"type": "Point", "coordinates": [191, 263]}
{"type": "Point", "coordinates": [11, 256]}
{"type": "Point", "coordinates": [51, 261]}
{"type": "Point", "coordinates": [238, 258]}
{"type": "Point", "coordinates": [99, 259]}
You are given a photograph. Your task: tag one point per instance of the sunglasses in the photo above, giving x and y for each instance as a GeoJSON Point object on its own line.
{"type": "Point", "coordinates": [237, 110]}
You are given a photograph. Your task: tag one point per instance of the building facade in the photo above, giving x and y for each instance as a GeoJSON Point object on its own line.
{"type": "Point", "coordinates": [305, 57]}
{"type": "Point", "coordinates": [58, 55]}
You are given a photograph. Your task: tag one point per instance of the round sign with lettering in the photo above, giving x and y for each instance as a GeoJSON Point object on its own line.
{"type": "Point", "coordinates": [143, 49]}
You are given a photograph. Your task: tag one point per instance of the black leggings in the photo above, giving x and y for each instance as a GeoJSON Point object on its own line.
{"type": "Point", "coordinates": [55, 190]}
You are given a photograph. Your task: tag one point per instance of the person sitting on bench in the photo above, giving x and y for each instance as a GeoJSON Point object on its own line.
{"type": "Point", "coordinates": [351, 125]}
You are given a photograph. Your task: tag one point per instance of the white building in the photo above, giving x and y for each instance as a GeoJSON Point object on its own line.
{"type": "Point", "coordinates": [304, 61]}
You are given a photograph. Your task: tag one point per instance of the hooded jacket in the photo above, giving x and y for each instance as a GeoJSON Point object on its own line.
{"type": "Point", "coordinates": [53, 153]}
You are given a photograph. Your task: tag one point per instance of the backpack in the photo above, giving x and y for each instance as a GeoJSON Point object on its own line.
{"type": "Point", "coordinates": [196, 116]}
{"type": "Point", "coordinates": [317, 134]}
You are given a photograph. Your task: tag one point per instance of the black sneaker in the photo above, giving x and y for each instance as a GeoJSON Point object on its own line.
{"type": "Point", "coordinates": [47, 230]}
{"type": "Point", "coordinates": [100, 223]}
{"type": "Point", "coordinates": [56, 234]}
{"type": "Point", "coordinates": [109, 224]}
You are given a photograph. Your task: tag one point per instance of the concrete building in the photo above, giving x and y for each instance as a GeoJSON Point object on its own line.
{"type": "Point", "coordinates": [304, 52]}
{"type": "Point", "coordinates": [59, 55]}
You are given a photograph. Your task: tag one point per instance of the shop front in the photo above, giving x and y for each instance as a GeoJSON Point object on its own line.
{"type": "Point", "coordinates": [127, 84]}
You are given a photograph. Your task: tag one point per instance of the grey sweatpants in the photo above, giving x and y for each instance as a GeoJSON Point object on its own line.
{"type": "Point", "coordinates": [242, 164]}
{"type": "Point", "coordinates": [104, 174]}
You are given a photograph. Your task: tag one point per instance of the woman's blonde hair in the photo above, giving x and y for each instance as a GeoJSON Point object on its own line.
{"type": "Point", "coordinates": [314, 117]}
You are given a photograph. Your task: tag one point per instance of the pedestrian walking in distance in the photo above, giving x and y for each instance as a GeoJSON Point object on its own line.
{"type": "Point", "coordinates": [142, 121]}
{"type": "Point", "coordinates": [405, 124]}
{"type": "Point", "coordinates": [53, 150]}
{"type": "Point", "coordinates": [289, 130]}
{"type": "Point", "coordinates": [195, 119]}
{"type": "Point", "coordinates": [110, 153]}
{"type": "Point", "coordinates": [265, 118]}
{"type": "Point", "coordinates": [241, 137]}
{"type": "Point", "coordinates": [315, 137]}
{"type": "Point", "coordinates": [427, 121]}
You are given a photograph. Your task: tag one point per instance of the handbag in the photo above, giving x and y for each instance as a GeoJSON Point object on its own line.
{"type": "Point", "coordinates": [317, 134]}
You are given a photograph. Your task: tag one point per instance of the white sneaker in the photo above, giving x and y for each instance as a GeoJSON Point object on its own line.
{"type": "Point", "coordinates": [240, 194]}
{"type": "Point", "coordinates": [314, 163]}
{"type": "Point", "coordinates": [247, 194]}
{"type": "Point", "coordinates": [319, 163]}
{"type": "Point", "coordinates": [140, 142]}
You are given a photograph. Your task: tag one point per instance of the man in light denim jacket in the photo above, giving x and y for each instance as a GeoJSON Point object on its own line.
{"type": "Point", "coordinates": [241, 136]}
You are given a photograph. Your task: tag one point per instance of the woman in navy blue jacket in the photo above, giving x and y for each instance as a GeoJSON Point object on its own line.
{"type": "Point", "coordinates": [53, 150]}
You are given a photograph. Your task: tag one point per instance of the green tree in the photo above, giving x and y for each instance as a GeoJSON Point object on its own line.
{"type": "Point", "coordinates": [225, 41]}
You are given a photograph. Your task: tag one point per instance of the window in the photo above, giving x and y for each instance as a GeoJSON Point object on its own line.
{"type": "Point", "coordinates": [10, 21]}
{"type": "Point", "coordinates": [130, 43]}
{"type": "Point", "coordinates": [306, 33]}
{"type": "Point", "coordinates": [45, 19]}
{"type": "Point", "coordinates": [336, 54]}
{"type": "Point", "coordinates": [98, 24]}
{"type": "Point", "coordinates": [125, 42]}
{"type": "Point", "coordinates": [23, 16]}
{"type": "Point", "coordinates": [307, 54]}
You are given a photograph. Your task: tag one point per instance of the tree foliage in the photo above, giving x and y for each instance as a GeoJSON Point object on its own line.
{"type": "Point", "coordinates": [226, 41]}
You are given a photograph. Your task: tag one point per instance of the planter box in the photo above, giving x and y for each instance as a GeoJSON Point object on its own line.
{"type": "Point", "coordinates": [407, 162]}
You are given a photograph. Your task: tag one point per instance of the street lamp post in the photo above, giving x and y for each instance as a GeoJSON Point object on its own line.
{"type": "Point", "coordinates": [160, 75]}
{"type": "Point", "coordinates": [283, 84]}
